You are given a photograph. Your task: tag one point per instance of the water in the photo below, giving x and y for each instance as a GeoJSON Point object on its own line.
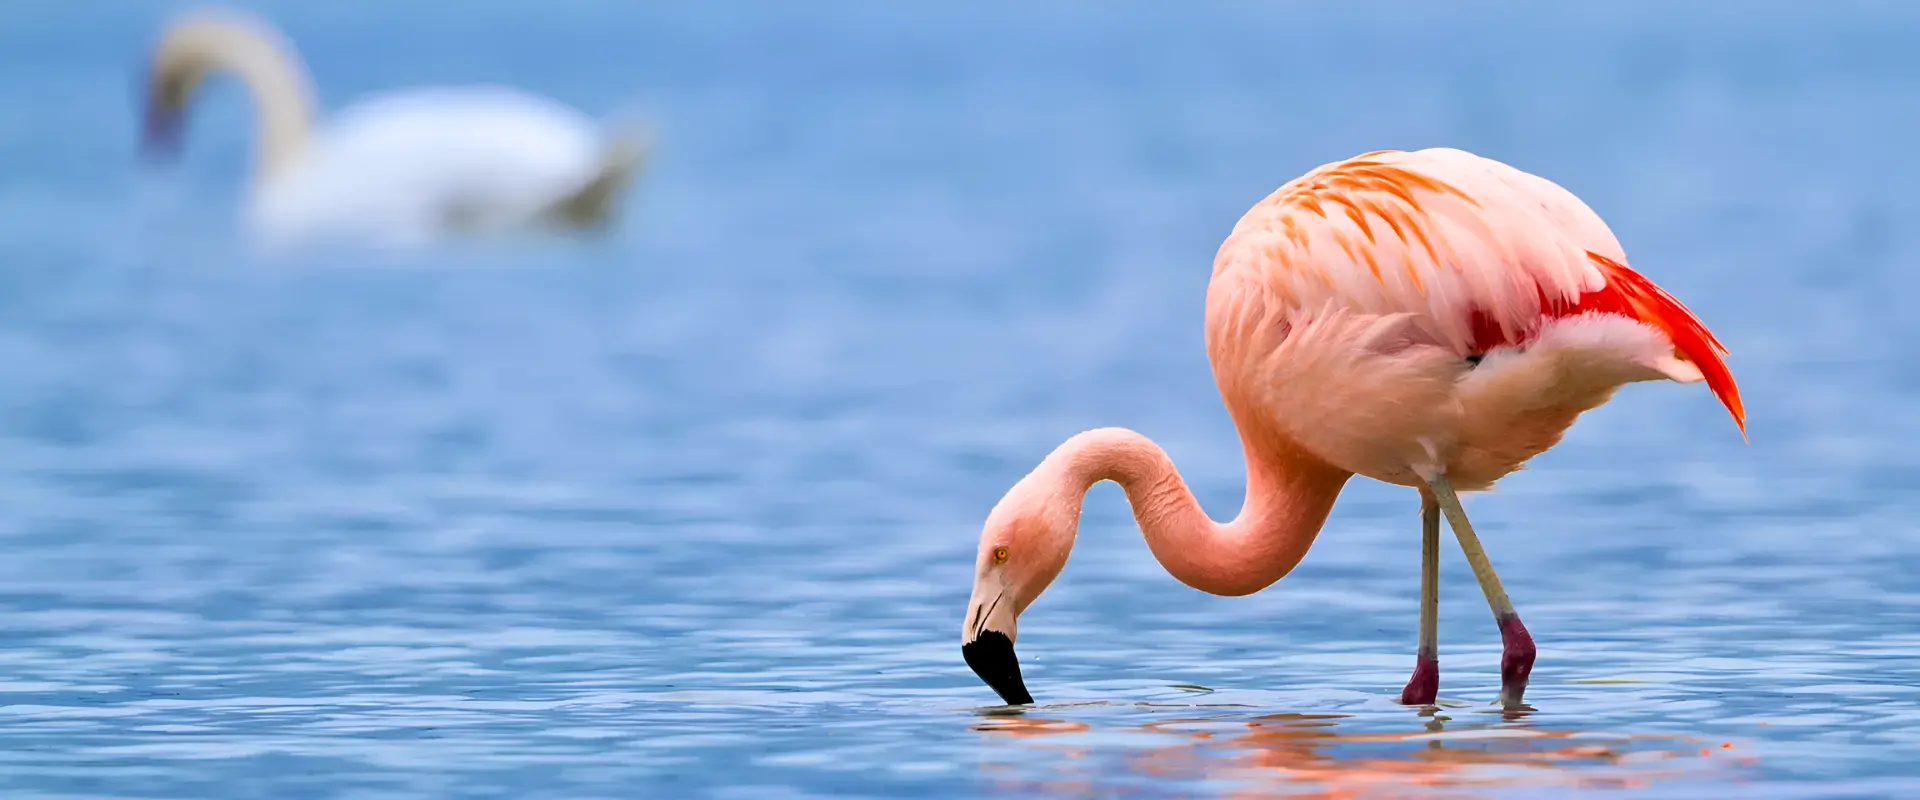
{"type": "Point", "coordinates": [689, 510]}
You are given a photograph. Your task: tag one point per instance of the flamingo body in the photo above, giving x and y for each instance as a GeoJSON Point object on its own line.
{"type": "Point", "coordinates": [1432, 319]}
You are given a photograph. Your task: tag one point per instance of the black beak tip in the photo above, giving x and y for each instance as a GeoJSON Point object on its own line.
{"type": "Point", "coordinates": [991, 657]}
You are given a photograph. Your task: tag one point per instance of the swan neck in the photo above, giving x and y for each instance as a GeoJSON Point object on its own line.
{"type": "Point", "coordinates": [269, 66]}
{"type": "Point", "coordinates": [284, 107]}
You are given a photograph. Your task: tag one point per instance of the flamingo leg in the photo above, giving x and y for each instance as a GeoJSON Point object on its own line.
{"type": "Point", "coordinates": [1424, 686]}
{"type": "Point", "coordinates": [1516, 645]}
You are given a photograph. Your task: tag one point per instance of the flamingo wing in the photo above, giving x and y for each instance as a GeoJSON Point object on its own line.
{"type": "Point", "coordinates": [1482, 253]}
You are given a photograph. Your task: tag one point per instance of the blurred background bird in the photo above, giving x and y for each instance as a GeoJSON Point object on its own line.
{"type": "Point", "coordinates": [399, 169]}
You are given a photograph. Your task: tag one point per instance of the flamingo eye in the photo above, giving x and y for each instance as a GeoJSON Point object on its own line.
{"type": "Point", "coordinates": [999, 555]}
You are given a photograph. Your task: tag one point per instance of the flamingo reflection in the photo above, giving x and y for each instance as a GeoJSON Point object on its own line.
{"type": "Point", "coordinates": [1308, 755]}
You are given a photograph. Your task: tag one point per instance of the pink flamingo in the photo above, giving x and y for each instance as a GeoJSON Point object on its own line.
{"type": "Point", "coordinates": [1430, 319]}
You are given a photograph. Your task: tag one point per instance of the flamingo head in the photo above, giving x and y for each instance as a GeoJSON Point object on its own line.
{"type": "Point", "coordinates": [1022, 549]}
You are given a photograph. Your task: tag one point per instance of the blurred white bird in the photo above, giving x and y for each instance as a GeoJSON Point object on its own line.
{"type": "Point", "coordinates": [402, 169]}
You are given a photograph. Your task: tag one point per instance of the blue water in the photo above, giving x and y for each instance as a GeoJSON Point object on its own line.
{"type": "Point", "coordinates": [689, 510]}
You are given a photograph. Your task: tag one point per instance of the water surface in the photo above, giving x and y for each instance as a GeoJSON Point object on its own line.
{"type": "Point", "coordinates": [689, 509]}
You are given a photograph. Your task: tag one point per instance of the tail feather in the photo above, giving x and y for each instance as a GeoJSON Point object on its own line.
{"type": "Point", "coordinates": [592, 203]}
{"type": "Point", "coordinates": [1631, 294]}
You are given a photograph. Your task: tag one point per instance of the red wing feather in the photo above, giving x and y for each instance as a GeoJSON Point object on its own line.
{"type": "Point", "coordinates": [1630, 294]}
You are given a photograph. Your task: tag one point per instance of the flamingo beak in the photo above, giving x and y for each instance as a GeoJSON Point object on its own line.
{"type": "Point", "coordinates": [991, 657]}
{"type": "Point", "coordinates": [987, 645]}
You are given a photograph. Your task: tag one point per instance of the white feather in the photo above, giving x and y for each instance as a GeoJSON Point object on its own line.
{"type": "Point", "coordinates": [411, 167]}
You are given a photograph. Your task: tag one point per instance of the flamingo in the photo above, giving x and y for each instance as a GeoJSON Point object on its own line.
{"type": "Point", "coordinates": [400, 169]}
{"type": "Point", "coordinates": [1430, 319]}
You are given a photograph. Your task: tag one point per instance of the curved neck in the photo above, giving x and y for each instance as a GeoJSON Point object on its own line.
{"type": "Point", "coordinates": [267, 64]}
{"type": "Point", "coordinates": [1289, 494]}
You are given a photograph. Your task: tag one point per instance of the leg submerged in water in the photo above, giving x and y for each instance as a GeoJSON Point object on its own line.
{"type": "Point", "coordinates": [1424, 686]}
{"type": "Point", "coordinates": [1516, 645]}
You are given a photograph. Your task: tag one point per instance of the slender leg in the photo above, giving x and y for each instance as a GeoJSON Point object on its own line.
{"type": "Point", "coordinates": [1516, 645]}
{"type": "Point", "coordinates": [1424, 686]}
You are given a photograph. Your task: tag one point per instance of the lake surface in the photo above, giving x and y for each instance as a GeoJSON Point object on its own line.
{"type": "Point", "coordinates": [688, 510]}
